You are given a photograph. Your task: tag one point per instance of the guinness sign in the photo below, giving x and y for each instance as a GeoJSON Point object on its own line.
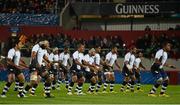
{"type": "Point", "coordinates": [141, 8]}
{"type": "Point", "coordinates": [137, 9]}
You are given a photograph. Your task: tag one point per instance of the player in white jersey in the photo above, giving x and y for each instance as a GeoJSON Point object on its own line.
{"type": "Point", "coordinates": [161, 77]}
{"type": "Point", "coordinates": [98, 62]}
{"type": "Point", "coordinates": [54, 58]}
{"type": "Point", "coordinates": [65, 63]}
{"type": "Point", "coordinates": [91, 69]}
{"type": "Point", "coordinates": [34, 77]}
{"type": "Point", "coordinates": [137, 67]}
{"type": "Point", "coordinates": [77, 70]}
{"type": "Point", "coordinates": [41, 57]}
{"type": "Point", "coordinates": [110, 60]}
{"type": "Point", "coordinates": [127, 71]}
{"type": "Point", "coordinates": [15, 65]}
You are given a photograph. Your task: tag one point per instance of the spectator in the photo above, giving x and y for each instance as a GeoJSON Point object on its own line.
{"type": "Point", "coordinates": [147, 28]}
{"type": "Point", "coordinates": [177, 27]}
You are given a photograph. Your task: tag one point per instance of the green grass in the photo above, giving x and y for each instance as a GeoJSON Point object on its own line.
{"type": "Point", "coordinates": [109, 98]}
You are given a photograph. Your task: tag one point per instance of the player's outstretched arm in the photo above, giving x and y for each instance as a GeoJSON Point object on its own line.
{"type": "Point", "coordinates": [170, 66]}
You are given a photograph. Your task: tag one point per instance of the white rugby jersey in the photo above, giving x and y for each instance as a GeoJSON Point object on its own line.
{"type": "Point", "coordinates": [14, 55]}
{"type": "Point", "coordinates": [56, 57]}
{"type": "Point", "coordinates": [163, 55]}
{"type": "Point", "coordinates": [89, 59]}
{"type": "Point", "coordinates": [35, 48]}
{"type": "Point", "coordinates": [64, 58]}
{"type": "Point", "coordinates": [111, 58]}
{"type": "Point", "coordinates": [79, 57]}
{"type": "Point", "coordinates": [130, 58]}
{"type": "Point", "coordinates": [137, 62]}
{"type": "Point", "coordinates": [40, 56]}
{"type": "Point", "coordinates": [53, 57]}
{"type": "Point", "coordinates": [97, 59]}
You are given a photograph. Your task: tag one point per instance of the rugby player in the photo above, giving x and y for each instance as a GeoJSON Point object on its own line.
{"type": "Point", "coordinates": [77, 70]}
{"type": "Point", "coordinates": [40, 69]}
{"type": "Point", "coordinates": [127, 70]}
{"type": "Point", "coordinates": [65, 63]}
{"type": "Point", "coordinates": [98, 63]}
{"type": "Point", "coordinates": [54, 58]}
{"type": "Point", "coordinates": [137, 67]}
{"type": "Point", "coordinates": [161, 77]}
{"type": "Point", "coordinates": [15, 65]}
{"type": "Point", "coordinates": [110, 59]}
{"type": "Point", "coordinates": [90, 70]}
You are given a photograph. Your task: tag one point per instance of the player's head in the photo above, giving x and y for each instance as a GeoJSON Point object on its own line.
{"type": "Point", "coordinates": [55, 50]}
{"type": "Point", "coordinates": [81, 48]}
{"type": "Point", "coordinates": [66, 49]}
{"type": "Point", "coordinates": [98, 48]}
{"type": "Point", "coordinates": [133, 49]}
{"type": "Point", "coordinates": [92, 52]}
{"type": "Point", "coordinates": [44, 44]}
{"type": "Point", "coordinates": [114, 49]}
{"type": "Point", "coordinates": [140, 54]}
{"type": "Point", "coordinates": [167, 46]}
{"type": "Point", "coordinates": [18, 44]}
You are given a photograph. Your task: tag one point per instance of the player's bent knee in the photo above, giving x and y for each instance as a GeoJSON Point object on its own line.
{"type": "Point", "coordinates": [74, 78]}
{"type": "Point", "coordinates": [81, 80]}
{"type": "Point", "coordinates": [160, 80]}
{"type": "Point", "coordinates": [33, 82]}
{"type": "Point", "coordinates": [33, 78]}
{"type": "Point", "coordinates": [126, 79]}
{"type": "Point", "coordinates": [93, 79]}
{"type": "Point", "coordinates": [21, 78]}
{"type": "Point", "coordinates": [166, 79]}
{"type": "Point", "coordinates": [133, 78]}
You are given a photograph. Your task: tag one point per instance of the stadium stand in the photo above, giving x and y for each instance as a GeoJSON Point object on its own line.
{"type": "Point", "coordinates": [28, 6]}
{"type": "Point", "coordinates": [28, 19]}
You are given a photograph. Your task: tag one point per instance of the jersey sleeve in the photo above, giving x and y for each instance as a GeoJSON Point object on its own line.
{"type": "Point", "coordinates": [116, 58]}
{"type": "Point", "coordinates": [108, 56]}
{"type": "Point", "coordinates": [10, 54]}
{"type": "Point", "coordinates": [51, 57]}
{"type": "Point", "coordinates": [86, 58]}
{"type": "Point", "coordinates": [75, 55]}
{"type": "Point", "coordinates": [127, 57]}
{"type": "Point", "coordinates": [35, 48]}
{"type": "Point", "coordinates": [68, 56]}
{"type": "Point", "coordinates": [97, 60]}
{"type": "Point", "coordinates": [61, 57]}
{"type": "Point", "coordinates": [158, 54]}
{"type": "Point", "coordinates": [46, 53]}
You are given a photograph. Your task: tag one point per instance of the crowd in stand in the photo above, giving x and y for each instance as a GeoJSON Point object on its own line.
{"type": "Point", "coordinates": [148, 43]}
{"type": "Point", "coordinates": [27, 6]}
{"type": "Point", "coordinates": [60, 40]}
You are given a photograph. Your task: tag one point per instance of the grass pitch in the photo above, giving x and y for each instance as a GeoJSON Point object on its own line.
{"type": "Point", "coordinates": [109, 98]}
